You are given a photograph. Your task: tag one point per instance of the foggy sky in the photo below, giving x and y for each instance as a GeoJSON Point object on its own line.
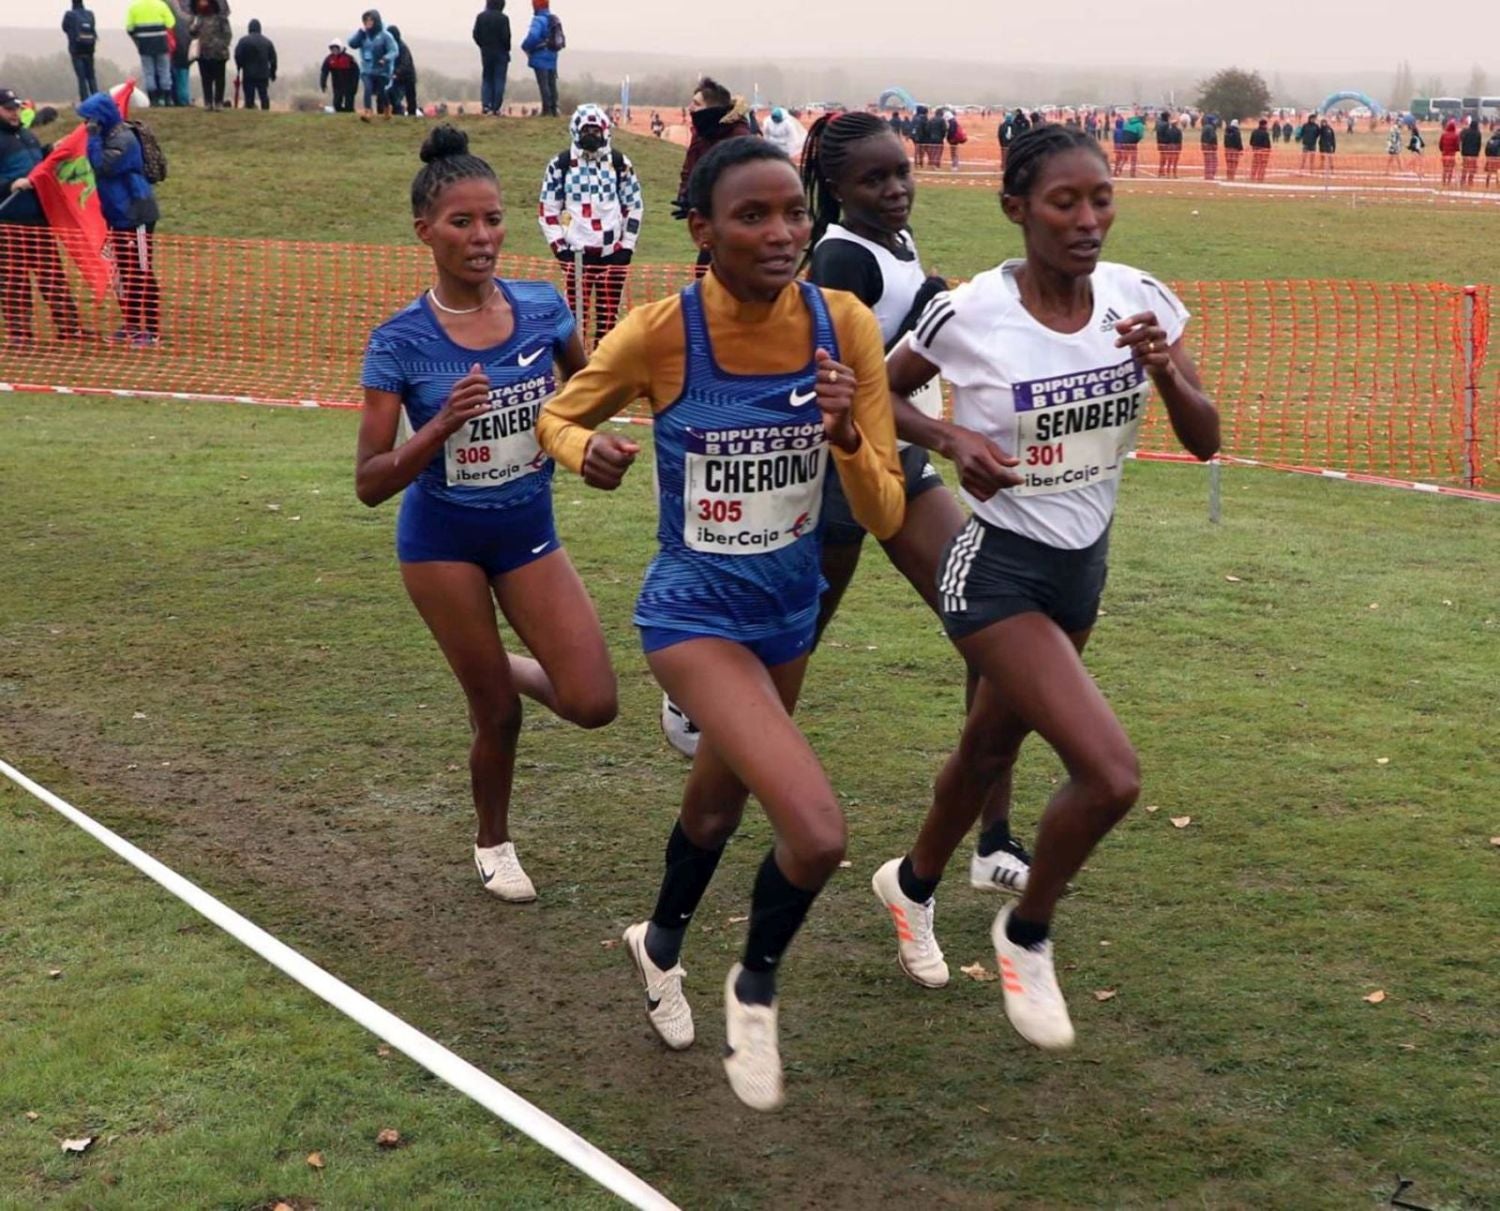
{"type": "Point", "coordinates": [1268, 35]}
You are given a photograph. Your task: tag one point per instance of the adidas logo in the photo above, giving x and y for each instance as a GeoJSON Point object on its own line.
{"type": "Point", "coordinates": [1111, 318]}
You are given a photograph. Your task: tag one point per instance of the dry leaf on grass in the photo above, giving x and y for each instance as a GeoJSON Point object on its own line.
{"type": "Point", "coordinates": [609, 943]}
{"type": "Point", "coordinates": [737, 920]}
{"type": "Point", "coordinates": [1105, 994]}
{"type": "Point", "coordinates": [32, 1116]}
{"type": "Point", "coordinates": [1232, 579]}
{"type": "Point", "coordinates": [54, 972]}
{"type": "Point", "coordinates": [80, 1145]}
{"type": "Point", "coordinates": [138, 715]}
{"type": "Point", "coordinates": [845, 865]}
{"type": "Point", "coordinates": [1181, 821]}
{"type": "Point", "coordinates": [389, 1137]}
{"type": "Point", "coordinates": [383, 1051]}
{"type": "Point", "coordinates": [314, 1160]}
{"type": "Point", "coordinates": [1495, 841]}
{"type": "Point", "coordinates": [1376, 997]}
{"type": "Point", "coordinates": [1382, 760]}
{"type": "Point", "coordinates": [979, 972]}
{"type": "Point", "coordinates": [1407, 1046]}
{"type": "Point", "coordinates": [1152, 807]}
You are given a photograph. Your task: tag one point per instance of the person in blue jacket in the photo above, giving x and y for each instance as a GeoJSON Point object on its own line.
{"type": "Point", "coordinates": [541, 57]}
{"type": "Point", "coordinates": [130, 212]}
{"type": "Point", "coordinates": [377, 62]}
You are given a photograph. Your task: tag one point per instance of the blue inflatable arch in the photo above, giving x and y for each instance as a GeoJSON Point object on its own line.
{"type": "Point", "coordinates": [1374, 106]}
{"type": "Point", "coordinates": [897, 98]}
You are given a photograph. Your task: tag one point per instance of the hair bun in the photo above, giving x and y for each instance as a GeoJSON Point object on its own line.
{"type": "Point", "coordinates": [444, 141]}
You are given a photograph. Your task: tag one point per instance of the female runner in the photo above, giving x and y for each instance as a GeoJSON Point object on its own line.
{"type": "Point", "coordinates": [859, 180]}
{"type": "Point", "coordinates": [754, 378]}
{"type": "Point", "coordinates": [1054, 358]}
{"type": "Point", "coordinates": [471, 361]}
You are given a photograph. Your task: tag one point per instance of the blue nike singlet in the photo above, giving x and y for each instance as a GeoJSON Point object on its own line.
{"type": "Point", "coordinates": [740, 464]}
{"type": "Point", "coordinates": [494, 461]}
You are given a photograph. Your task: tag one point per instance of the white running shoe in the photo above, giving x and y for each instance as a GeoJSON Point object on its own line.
{"type": "Point", "coordinates": [917, 949]}
{"type": "Point", "coordinates": [752, 1055]}
{"type": "Point", "coordinates": [665, 1005]}
{"type": "Point", "coordinates": [501, 874]}
{"type": "Point", "coordinates": [1033, 1001]}
{"type": "Point", "coordinates": [681, 732]}
{"type": "Point", "coordinates": [1007, 869]}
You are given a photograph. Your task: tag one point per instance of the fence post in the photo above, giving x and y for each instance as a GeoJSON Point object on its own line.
{"type": "Point", "coordinates": [1215, 491]}
{"type": "Point", "coordinates": [1471, 390]}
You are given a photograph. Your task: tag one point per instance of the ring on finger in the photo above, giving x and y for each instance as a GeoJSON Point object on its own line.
{"type": "Point", "coordinates": [833, 376]}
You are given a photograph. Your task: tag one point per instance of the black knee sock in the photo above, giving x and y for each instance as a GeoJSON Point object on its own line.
{"type": "Point", "coordinates": [994, 836]}
{"type": "Point", "coordinates": [912, 887]}
{"type": "Point", "coordinates": [1030, 934]}
{"type": "Point", "coordinates": [689, 872]}
{"type": "Point", "coordinates": [777, 910]}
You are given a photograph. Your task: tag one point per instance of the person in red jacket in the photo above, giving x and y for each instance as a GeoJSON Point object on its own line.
{"type": "Point", "coordinates": [340, 66]}
{"type": "Point", "coordinates": [716, 115]}
{"type": "Point", "coordinates": [1448, 150]}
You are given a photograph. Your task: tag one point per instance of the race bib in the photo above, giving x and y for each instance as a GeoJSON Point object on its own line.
{"type": "Point", "coordinates": [499, 447]}
{"type": "Point", "coordinates": [752, 490]}
{"type": "Point", "coordinates": [1076, 429]}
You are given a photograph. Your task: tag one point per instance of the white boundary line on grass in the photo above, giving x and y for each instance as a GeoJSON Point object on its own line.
{"type": "Point", "coordinates": [429, 1053]}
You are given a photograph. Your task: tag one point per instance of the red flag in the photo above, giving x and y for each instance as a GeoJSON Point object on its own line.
{"type": "Point", "coordinates": [65, 186]}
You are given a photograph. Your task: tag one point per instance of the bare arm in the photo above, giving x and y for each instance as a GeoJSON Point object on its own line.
{"type": "Point", "coordinates": [381, 468]}
{"type": "Point", "coordinates": [1194, 418]}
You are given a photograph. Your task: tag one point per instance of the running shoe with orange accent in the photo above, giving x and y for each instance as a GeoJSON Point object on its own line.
{"type": "Point", "coordinates": [1033, 1001]}
{"type": "Point", "coordinates": [917, 949]}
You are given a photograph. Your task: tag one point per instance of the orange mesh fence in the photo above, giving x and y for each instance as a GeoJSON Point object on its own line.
{"type": "Point", "coordinates": [1389, 379]}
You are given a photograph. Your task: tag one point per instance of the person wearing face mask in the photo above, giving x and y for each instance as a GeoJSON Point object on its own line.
{"type": "Point", "coordinates": [597, 187]}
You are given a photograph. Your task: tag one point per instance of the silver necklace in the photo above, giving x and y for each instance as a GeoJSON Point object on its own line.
{"type": "Point", "coordinates": [441, 306]}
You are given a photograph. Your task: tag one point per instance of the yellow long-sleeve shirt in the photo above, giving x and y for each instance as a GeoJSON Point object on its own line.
{"type": "Point", "coordinates": [646, 356]}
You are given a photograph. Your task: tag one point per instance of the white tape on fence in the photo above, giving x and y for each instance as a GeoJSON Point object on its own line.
{"type": "Point", "coordinates": [432, 1055]}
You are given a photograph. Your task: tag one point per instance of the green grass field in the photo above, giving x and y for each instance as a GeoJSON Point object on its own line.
{"type": "Point", "coordinates": [204, 643]}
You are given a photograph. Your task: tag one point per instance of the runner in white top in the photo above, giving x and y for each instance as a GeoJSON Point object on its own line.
{"type": "Point", "coordinates": [1052, 359]}
{"type": "Point", "coordinates": [859, 180]}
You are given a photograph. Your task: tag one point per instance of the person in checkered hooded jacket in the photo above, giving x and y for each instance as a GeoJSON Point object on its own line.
{"type": "Point", "coordinates": [596, 188]}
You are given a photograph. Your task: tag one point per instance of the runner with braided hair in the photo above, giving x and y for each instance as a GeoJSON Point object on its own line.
{"type": "Point", "coordinates": [860, 185]}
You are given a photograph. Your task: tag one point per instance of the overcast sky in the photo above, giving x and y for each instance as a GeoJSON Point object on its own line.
{"type": "Point", "coordinates": [1270, 34]}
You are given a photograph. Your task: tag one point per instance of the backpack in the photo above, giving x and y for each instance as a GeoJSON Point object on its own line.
{"type": "Point", "coordinates": [155, 158]}
{"type": "Point", "coordinates": [85, 36]}
{"type": "Point", "coordinates": [957, 134]}
{"type": "Point", "coordinates": [556, 39]}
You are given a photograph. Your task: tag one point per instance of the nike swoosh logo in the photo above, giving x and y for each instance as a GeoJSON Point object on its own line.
{"type": "Point", "coordinates": [651, 1005]}
{"type": "Point", "coordinates": [487, 877]}
{"type": "Point", "coordinates": [543, 547]}
{"type": "Point", "coordinates": [798, 400]}
{"type": "Point", "coordinates": [523, 360]}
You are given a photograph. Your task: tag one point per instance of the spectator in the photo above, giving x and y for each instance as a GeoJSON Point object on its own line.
{"type": "Point", "coordinates": [255, 63]}
{"type": "Point", "coordinates": [1448, 143]}
{"type": "Point", "coordinates": [1135, 133]}
{"type": "Point", "coordinates": [1209, 140]}
{"type": "Point", "coordinates": [403, 78]}
{"type": "Point", "coordinates": [1234, 148]}
{"type": "Point", "coordinates": [1260, 151]}
{"type": "Point", "coordinates": [542, 42]}
{"type": "Point", "coordinates": [27, 249]}
{"type": "Point", "coordinates": [83, 40]}
{"type": "Point", "coordinates": [1286, 131]}
{"type": "Point", "coordinates": [1393, 149]}
{"type": "Point", "coordinates": [598, 185]}
{"type": "Point", "coordinates": [492, 36]}
{"type": "Point", "coordinates": [935, 135]}
{"type": "Point", "coordinates": [658, 127]}
{"type": "Point", "coordinates": [182, 49]}
{"type": "Point", "coordinates": [956, 136]}
{"type": "Point", "coordinates": [149, 24]}
{"type": "Point", "coordinates": [377, 62]}
{"type": "Point", "coordinates": [340, 67]}
{"type": "Point", "coordinates": [1327, 145]}
{"type": "Point", "coordinates": [1307, 135]}
{"type": "Point", "coordinates": [785, 132]}
{"type": "Point", "coordinates": [214, 35]}
{"type": "Point", "coordinates": [1163, 133]}
{"type": "Point", "coordinates": [1469, 143]}
{"type": "Point", "coordinates": [1276, 131]}
{"type": "Point", "coordinates": [1492, 158]}
{"type": "Point", "coordinates": [131, 214]}
{"type": "Point", "coordinates": [1016, 124]}
{"type": "Point", "coordinates": [715, 116]}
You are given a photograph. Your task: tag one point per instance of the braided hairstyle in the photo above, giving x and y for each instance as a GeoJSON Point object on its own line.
{"type": "Point", "coordinates": [445, 161]}
{"type": "Point", "coordinates": [823, 158]}
{"type": "Point", "coordinates": [1033, 148]}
